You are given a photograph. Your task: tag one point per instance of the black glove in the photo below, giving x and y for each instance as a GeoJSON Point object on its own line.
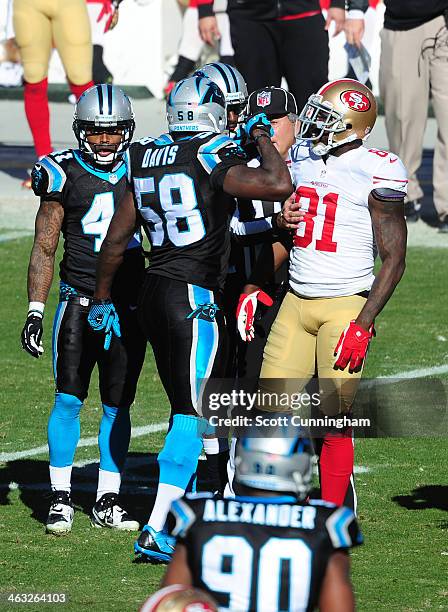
{"type": "Point", "coordinates": [32, 335]}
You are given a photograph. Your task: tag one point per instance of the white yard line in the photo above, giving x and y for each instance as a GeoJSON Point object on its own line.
{"type": "Point", "coordinates": [156, 427]}
{"type": "Point", "coordinates": [137, 432]}
{"type": "Point", "coordinates": [7, 236]}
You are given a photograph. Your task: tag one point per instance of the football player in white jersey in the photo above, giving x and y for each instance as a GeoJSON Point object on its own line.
{"type": "Point", "coordinates": [353, 200]}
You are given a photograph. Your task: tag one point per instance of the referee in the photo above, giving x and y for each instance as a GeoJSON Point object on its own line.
{"type": "Point", "coordinates": [280, 38]}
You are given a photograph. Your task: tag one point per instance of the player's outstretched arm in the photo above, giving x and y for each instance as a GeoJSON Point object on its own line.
{"type": "Point", "coordinates": [178, 571]}
{"type": "Point", "coordinates": [46, 237]}
{"type": "Point", "coordinates": [120, 231]}
{"type": "Point", "coordinates": [389, 226]}
{"type": "Point", "coordinates": [40, 273]}
{"type": "Point", "coordinates": [271, 181]}
{"type": "Point", "coordinates": [336, 594]}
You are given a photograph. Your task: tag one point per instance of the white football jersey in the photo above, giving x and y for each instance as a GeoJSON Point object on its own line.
{"type": "Point", "coordinates": [334, 248]}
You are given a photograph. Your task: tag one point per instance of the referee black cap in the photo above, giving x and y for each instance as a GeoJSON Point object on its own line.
{"type": "Point", "coordinates": [274, 101]}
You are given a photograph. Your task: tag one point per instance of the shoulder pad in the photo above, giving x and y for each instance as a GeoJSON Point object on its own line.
{"type": "Point", "coordinates": [343, 529]}
{"type": "Point", "coordinates": [184, 517]}
{"type": "Point", "coordinates": [386, 169]}
{"type": "Point", "coordinates": [202, 495]}
{"type": "Point", "coordinates": [218, 149]}
{"type": "Point", "coordinates": [47, 177]}
{"type": "Point", "coordinates": [300, 150]}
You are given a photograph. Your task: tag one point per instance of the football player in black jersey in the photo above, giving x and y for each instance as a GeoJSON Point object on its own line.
{"type": "Point", "coordinates": [267, 549]}
{"type": "Point", "coordinates": [78, 191]}
{"type": "Point", "coordinates": [183, 183]}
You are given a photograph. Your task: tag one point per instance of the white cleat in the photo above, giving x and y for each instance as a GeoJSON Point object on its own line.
{"type": "Point", "coordinates": [107, 512]}
{"type": "Point", "coordinates": [60, 516]}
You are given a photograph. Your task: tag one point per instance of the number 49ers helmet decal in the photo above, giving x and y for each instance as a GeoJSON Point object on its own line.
{"type": "Point", "coordinates": [341, 111]}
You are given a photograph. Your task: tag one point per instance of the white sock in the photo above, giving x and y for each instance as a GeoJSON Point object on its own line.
{"type": "Point", "coordinates": [211, 446]}
{"type": "Point", "coordinates": [108, 482]}
{"type": "Point", "coordinates": [60, 478]}
{"type": "Point", "coordinates": [166, 494]}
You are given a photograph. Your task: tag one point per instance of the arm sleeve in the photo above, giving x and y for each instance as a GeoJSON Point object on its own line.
{"type": "Point", "coordinates": [205, 8]}
{"type": "Point", "coordinates": [358, 5]}
{"type": "Point", "coordinates": [218, 155]}
{"type": "Point", "coordinates": [337, 4]}
{"type": "Point", "coordinates": [343, 529]}
{"type": "Point", "coordinates": [48, 180]}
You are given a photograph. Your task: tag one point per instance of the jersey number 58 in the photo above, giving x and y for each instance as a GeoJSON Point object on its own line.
{"type": "Point", "coordinates": [181, 216]}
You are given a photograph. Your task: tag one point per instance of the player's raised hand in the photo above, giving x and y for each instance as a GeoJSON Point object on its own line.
{"type": "Point", "coordinates": [258, 122]}
{"type": "Point", "coordinates": [245, 312]}
{"type": "Point", "coordinates": [104, 318]}
{"type": "Point", "coordinates": [352, 347]}
{"type": "Point", "coordinates": [32, 332]}
{"type": "Point", "coordinates": [208, 30]}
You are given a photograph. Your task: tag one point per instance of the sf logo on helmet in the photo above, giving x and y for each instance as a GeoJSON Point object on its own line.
{"type": "Point", "coordinates": [356, 100]}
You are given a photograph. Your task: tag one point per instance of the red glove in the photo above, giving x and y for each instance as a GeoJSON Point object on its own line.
{"type": "Point", "coordinates": [245, 312]}
{"type": "Point", "coordinates": [352, 347]}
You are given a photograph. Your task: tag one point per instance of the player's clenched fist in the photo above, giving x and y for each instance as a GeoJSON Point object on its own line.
{"type": "Point", "coordinates": [32, 334]}
{"type": "Point", "coordinates": [352, 347]}
{"type": "Point", "coordinates": [245, 312]}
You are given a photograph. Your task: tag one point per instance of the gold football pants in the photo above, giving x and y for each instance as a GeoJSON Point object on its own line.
{"type": "Point", "coordinates": [302, 340]}
{"type": "Point", "coordinates": [41, 24]}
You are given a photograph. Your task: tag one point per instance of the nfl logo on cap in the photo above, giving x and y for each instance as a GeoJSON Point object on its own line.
{"type": "Point", "coordinates": [264, 98]}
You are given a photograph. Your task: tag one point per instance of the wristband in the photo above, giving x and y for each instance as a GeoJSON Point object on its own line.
{"type": "Point", "coordinates": [36, 308]}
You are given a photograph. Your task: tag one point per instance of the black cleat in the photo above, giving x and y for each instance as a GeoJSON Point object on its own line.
{"type": "Point", "coordinates": [412, 211]}
{"type": "Point", "coordinates": [107, 512]}
{"type": "Point", "coordinates": [60, 516]}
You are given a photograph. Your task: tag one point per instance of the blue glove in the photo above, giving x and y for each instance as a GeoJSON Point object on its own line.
{"type": "Point", "coordinates": [260, 122]}
{"type": "Point", "coordinates": [103, 317]}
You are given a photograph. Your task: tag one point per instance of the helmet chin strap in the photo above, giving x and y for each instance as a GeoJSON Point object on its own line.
{"type": "Point", "coordinates": [322, 149]}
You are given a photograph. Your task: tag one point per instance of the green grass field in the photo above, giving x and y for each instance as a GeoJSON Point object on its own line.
{"type": "Point", "coordinates": [403, 498]}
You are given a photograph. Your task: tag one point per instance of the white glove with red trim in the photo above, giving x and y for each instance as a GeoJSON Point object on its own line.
{"type": "Point", "coordinates": [245, 312]}
{"type": "Point", "coordinates": [352, 347]}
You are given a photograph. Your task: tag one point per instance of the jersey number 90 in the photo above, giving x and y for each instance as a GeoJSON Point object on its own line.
{"type": "Point", "coordinates": [181, 220]}
{"type": "Point", "coordinates": [282, 573]}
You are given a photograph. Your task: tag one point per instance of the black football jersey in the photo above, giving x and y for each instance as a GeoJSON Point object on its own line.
{"type": "Point", "coordinates": [178, 192]}
{"type": "Point", "coordinates": [261, 554]}
{"type": "Point", "coordinates": [89, 197]}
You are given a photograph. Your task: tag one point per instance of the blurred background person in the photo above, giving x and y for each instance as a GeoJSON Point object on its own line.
{"type": "Point", "coordinates": [413, 66]}
{"type": "Point", "coordinates": [191, 44]}
{"type": "Point", "coordinates": [38, 25]}
{"type": "Point", "coordinates": [103, 16]}
{"type": "Point", "coordinates": [11, 70]}
{"type": "Point", "coordinates": [273, 39]}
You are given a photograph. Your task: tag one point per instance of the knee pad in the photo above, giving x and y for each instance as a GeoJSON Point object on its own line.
{"type": "Point", "coordinates": [66, 406]}
{"type": "Point", "coordinates": [183, 444]}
